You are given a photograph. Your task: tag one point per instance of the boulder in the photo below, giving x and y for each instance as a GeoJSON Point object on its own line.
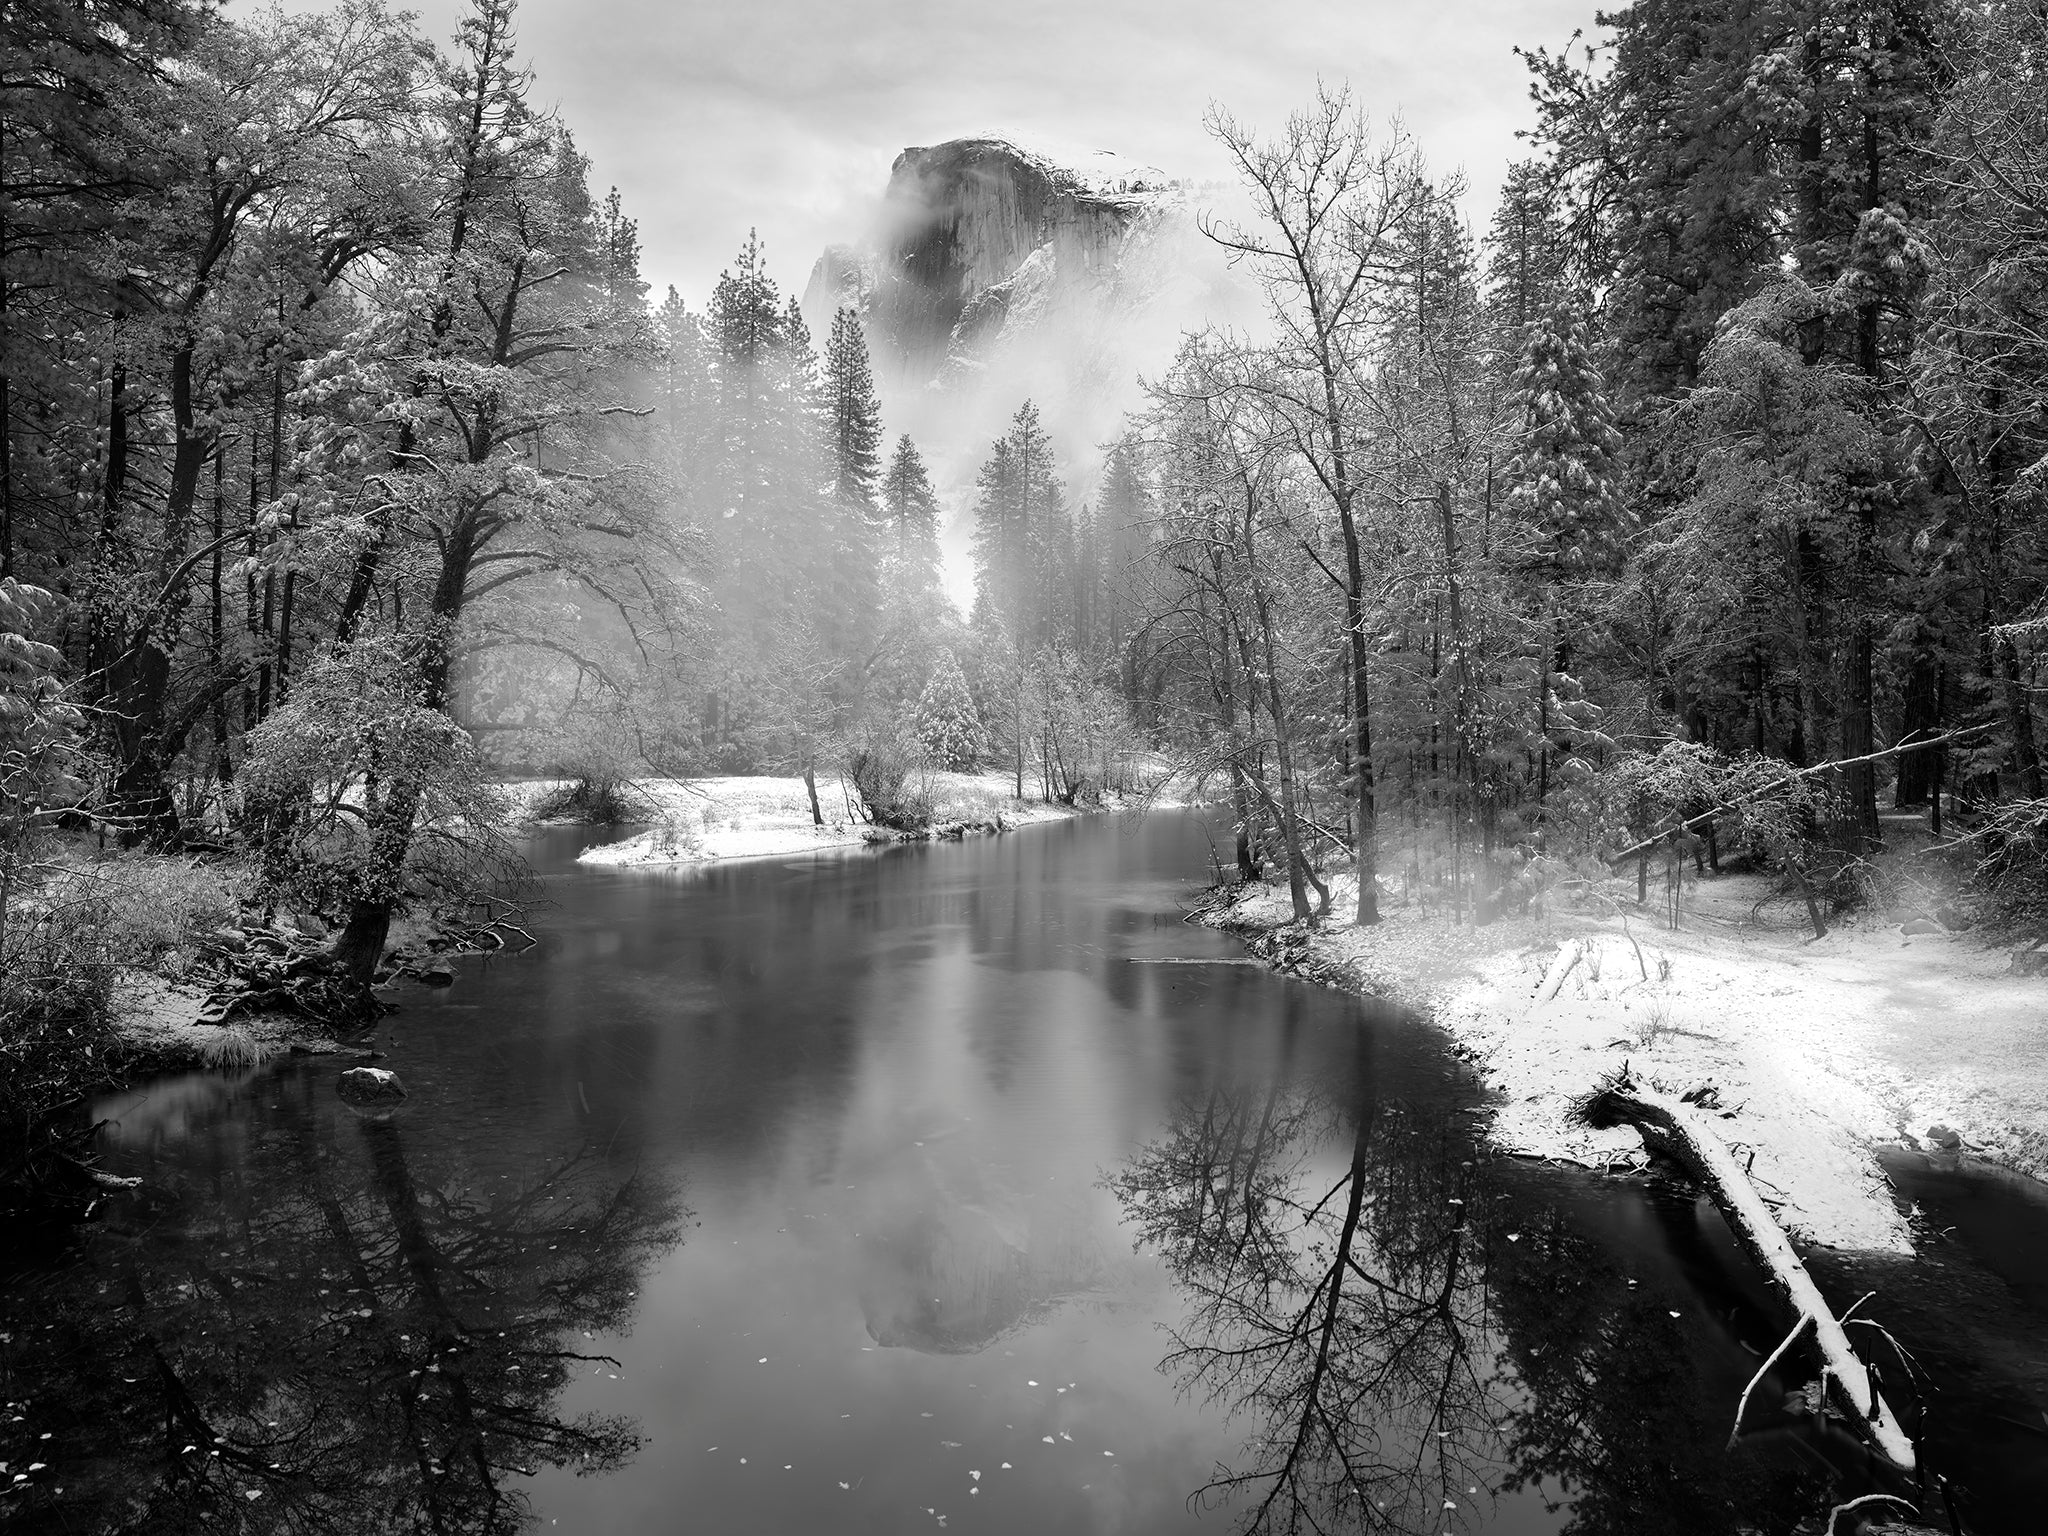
{"type": "Point", "coordinates": [370, 1087]}
{"type": "Point", "coordinates": [1944, 1138]}
{"type": "Point", "coordinates": [1914, 925]}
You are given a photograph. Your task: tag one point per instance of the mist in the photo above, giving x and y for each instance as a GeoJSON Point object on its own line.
{"type": "Point", "coordinates": [1075, 314]}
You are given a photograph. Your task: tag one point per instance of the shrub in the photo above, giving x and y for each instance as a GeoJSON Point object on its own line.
{"type": "Point", "coordinates": [326, 769]}
{"type": "Point", "coordinates": [679, 833]}
{"type": "Point", "coordinates": [56, 1006]}
{"type": "Point", "coordinates": [880, 766]}
{"type": "Point", "coordinates": [2011, 850]}
{"type": "Point", "coordinates": [157, 906]}
{"type": "Point", "coordinates": [599, 800]}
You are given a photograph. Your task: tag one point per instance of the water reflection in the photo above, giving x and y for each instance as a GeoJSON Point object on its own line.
{"type": "Point", "coordinates": [345, 1336]}
{"type": "Point", "coordinates": [1399, 1354]}
{"type": "Point", "coordinates": [1339, 1319]}
{"type": "Point", "coordinates": [923, 1102]}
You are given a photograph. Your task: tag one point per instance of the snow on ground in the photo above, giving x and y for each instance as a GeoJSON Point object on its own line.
{"type": "Point", "coordinates": [699, 821]}
{"type": "Point", "coordinates": [157, 1021]}
{"type": "Point", "coordinates": [1822, 1050]}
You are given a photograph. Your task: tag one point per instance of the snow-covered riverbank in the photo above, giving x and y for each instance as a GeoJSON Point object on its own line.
{"type": "Point", "coordinates": [1822, 1051]}
{"type": "Point", "coordinates": [700, 821]}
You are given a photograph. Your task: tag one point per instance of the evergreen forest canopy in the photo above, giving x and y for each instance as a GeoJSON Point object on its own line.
{"type": "Point", "coordinates": [349, 464]}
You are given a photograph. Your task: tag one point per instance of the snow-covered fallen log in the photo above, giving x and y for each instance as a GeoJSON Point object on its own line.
{"type": "Point", "coordinates": [1674, 1127]}
{"type": "Point", "coordinates": [1569, 954]}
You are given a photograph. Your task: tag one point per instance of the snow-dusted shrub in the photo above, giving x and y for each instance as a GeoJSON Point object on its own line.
{"type": "Point", "coordinates": [679, 833]}
{"type": "Point", "coordinates": [154, 906]}
{"type": "Point", "coordinates": [883, 769]}
{"type": "Point", "coordinates": [597, 749]}
{"type": "Point", "coordinates": [358, 739]}
{"type": "Point", "coordinates": [2011, 850]}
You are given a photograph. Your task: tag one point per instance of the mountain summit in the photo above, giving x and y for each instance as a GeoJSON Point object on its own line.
{"type": "Point", "coordinates": [969, 228]}
{"type": "Point", "coordinates": [991, 274]}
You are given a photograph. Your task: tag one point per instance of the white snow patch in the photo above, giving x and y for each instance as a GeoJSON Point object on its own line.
{"type": "Point", "coordinates": [1821, 1050]}
{"type": "Point", "coordinates": [704, 821]}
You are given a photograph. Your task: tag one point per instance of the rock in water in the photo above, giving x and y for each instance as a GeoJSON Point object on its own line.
{"type": "Point", "coordinates": [370, 1087]}
{"type": "Point", "coordinates": [1944, 1138]}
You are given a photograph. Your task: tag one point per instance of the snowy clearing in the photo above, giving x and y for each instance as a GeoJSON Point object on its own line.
{"type": "Point", "coordinates": [701, 821]}
{"type": "Point", "coordinates": [1822, 1050]}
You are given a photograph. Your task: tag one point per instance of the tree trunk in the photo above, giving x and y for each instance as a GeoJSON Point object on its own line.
{"type": "Point", "coordinates": [1361, 722]}
{"type": "Point", "coordinates": [216, 627]}
{"type": "Point", "coordinates": [2019, 718]}
{"type": "Point", "coordinates": [1919, 772]}
{"type": "Point", "coordinates": [359, 947]}
{"type": "Point", "coordinates": [1684, 1134]}
{"type": "Point", "coordinates": [1859, 830]}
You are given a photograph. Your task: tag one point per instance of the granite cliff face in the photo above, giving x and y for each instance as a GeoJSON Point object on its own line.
{"type": "Point", "coordinates": [991, 275]}
{"type": "Point", "coordinates": [960, 223]}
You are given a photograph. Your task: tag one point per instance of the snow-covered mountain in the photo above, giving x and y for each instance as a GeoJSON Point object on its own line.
{"type": "Point", "coordinates": [992, 274]}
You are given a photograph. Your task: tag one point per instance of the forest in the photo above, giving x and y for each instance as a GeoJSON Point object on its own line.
{"type": "Point", "coordinates": [1693, 507]}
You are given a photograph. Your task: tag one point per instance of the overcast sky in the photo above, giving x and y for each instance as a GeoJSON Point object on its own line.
{"type": "Point", "coordinates": [712, 116]}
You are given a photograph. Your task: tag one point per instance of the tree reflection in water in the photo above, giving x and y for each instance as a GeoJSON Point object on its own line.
{"type": "Point", "coordinates": [1396, 1362]}
{"type": "Point", "coordinates": [1340, 1319]}
{"type": "Point", "coordinates": [341, 1342]}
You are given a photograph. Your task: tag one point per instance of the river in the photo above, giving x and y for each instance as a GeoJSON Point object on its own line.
{"type": "Point", "coordinates": [958, 1187]}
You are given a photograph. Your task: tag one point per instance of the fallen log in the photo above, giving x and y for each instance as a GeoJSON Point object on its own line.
{"type": "Point", "coordinates": [1569, 954]}
{"type": "Point", "coordinates": [1674, 1127]}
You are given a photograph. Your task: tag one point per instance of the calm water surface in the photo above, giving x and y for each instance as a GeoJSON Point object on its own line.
{"type": "Point", "coordinates": [960, 1188]}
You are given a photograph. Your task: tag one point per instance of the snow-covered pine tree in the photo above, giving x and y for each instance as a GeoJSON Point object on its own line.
{"type": "Point", "coordinates": [945, 722]}
{"type": "Point", "coordinates": [1526, 253]}
{"type": "Point", "coordinates": [1563, 475]}
{"type": "Point", "coordinates": [1562, 482]}
{"type": "Point", "coordinates": [855, 412]}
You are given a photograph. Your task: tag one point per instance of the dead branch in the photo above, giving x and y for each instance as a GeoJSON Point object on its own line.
{"type": "Point", "coordinates": [1742, 1405]}
{"type": "Point", "coordinates": [1791, 778]}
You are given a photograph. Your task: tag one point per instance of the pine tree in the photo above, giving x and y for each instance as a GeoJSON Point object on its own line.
{"type": "Point", "coordinates": [617, 240]}
{"type": "Point", "coordinates": [795, 565]}
{"type": "Point", "coordinates": [761, 477]}
{"type": "Point", "coordinates": [1527, 253]}
{"type": "Point", "coordinates": [746, 310]}
{"type": "Point", "coordinates": [1023, 539]}
{"type": "Point", "coordinates": [998, 542]}
{"type": "Point", "coordinates": [856, 415]}
{"type": "Point", "coordinates": [682, 385]}
{"type": "Point", "coordinates": [1123, 519]}
{"type": "Point", "coordinates": [909, 505]}
{"type": "Point", "coordinates": [1563, 475]}
{"type": "Point", "coordinates": [1665, 169]}
{"type": "Point", "coordinates": [945, 721]}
